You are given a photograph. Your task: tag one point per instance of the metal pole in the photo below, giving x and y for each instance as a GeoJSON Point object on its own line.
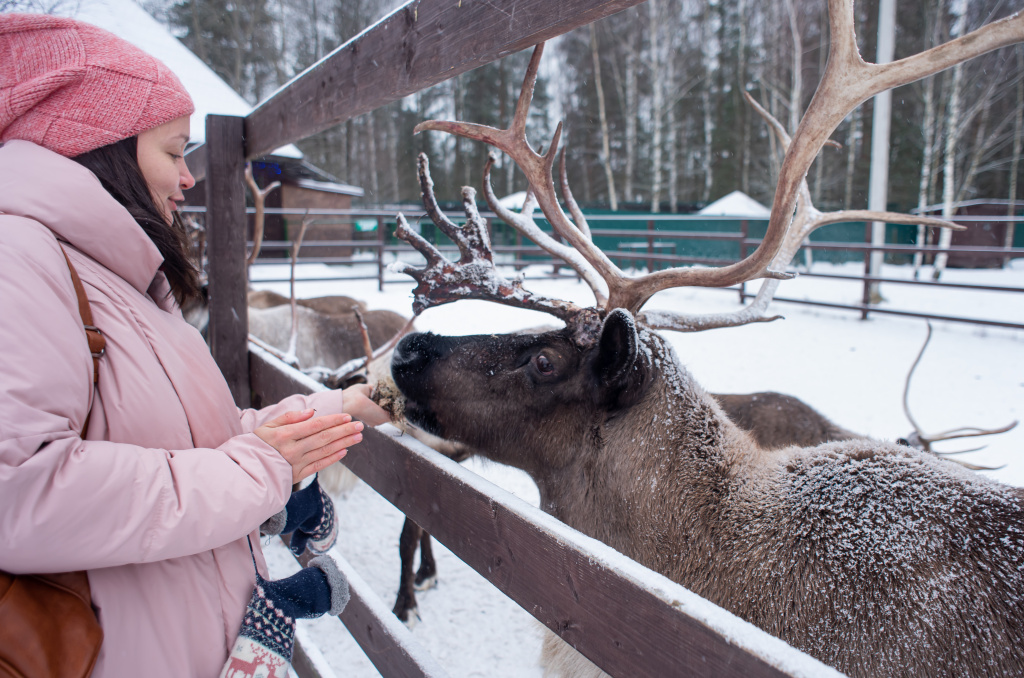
{"type": "Point", "coordinates": [881, 120]}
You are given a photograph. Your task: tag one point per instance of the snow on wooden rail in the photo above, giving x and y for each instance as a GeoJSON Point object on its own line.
{"type": "Point", "coordinates": [627, 619]}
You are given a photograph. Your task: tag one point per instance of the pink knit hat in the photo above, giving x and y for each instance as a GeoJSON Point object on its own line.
{"type": "Point", "coordinates": [71, 87]}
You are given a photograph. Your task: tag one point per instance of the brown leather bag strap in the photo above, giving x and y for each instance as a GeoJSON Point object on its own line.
{"type": "Point", "coordinates": [97, 342]}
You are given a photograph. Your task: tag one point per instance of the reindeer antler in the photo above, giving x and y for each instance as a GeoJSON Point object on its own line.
{"type": "Point", "coordinates": [623, 291]}
{"type": "Point", "coordinates": [259, 196]}
{"type": "Point", "coordinates": [524, 223]}
{"type": "Point", "coordinates": [807, 219]}
{"type": "Point", "coordinates": [847, 82]}
{"type": "Point", "coordinates": [925, 440]}
{"type": "Point", "coordinates": [474, 275]}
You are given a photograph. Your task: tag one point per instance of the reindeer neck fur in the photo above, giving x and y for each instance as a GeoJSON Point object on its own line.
{"type": "Point", "coordinates": [871, 556]}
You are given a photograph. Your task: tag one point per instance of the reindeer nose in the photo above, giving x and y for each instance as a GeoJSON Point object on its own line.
{"type": "Point", "coordinates": [412, 355]}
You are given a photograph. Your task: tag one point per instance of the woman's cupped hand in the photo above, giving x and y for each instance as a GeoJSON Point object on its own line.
{"type": "Point", "coordinates": [310, 443]}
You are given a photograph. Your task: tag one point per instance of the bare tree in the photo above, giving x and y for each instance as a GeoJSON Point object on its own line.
{"type": "Point", "coordinates": [658, 56]}
{"type": "Point", "coordinates": [949, 158]}
{"type": "Point", "coordinates": [606, 153]}
{"type": "Point", "coordinates": [1018, 137]}
{"type": "Point", "coordinates": [632, 105]}
{"type": "Point", "coordinates": [710, 57]}
{"type": "Point", "coordinates": [933, 24]}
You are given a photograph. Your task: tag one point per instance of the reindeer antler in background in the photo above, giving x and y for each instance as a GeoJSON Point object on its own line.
{"type": "Point", "coordinates": [924, 440]}
{"type": "Point", "coordinates": [259, 196]}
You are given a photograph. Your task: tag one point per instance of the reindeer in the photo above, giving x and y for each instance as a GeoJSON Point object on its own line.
{"type": "Point", "coordinates": [775, 420]}
{"type": "Point", "coordinates": [873, 557]}
{"type": "Point", "coordinates": [778, 420]}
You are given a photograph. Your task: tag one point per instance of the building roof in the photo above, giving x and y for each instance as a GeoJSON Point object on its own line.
{"type": "Point", "coordinates": [937, 207]}
{"type": "Point", "coordinates": [330, 187]}
{"type": "Point", "coordinates": [736, 204]}
{"type": "Point", "coordinates": [128, 20]}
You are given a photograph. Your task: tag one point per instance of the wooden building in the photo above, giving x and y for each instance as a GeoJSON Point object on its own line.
{"type": "Point", "coordinates": [981, 232]}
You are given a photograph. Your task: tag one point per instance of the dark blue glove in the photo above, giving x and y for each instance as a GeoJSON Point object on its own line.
{"type": "Point", "coordinates": [309, 515]}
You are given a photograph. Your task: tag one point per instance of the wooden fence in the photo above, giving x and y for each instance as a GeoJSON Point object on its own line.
{"type": "Point", "coordinates": [648, 249]}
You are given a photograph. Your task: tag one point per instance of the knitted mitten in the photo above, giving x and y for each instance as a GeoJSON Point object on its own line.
{"type": "Point", "coordinates": [267, 637]}
{"type": "Point", "coordinates": [309, 513]}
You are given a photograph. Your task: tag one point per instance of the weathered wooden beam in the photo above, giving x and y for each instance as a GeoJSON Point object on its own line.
{"type": "Point", "coordinates": [420, 44]}
{"type": "Point", "coordinates": [626, 619]}
{"type": "Point", "coordinates": [225, 238]}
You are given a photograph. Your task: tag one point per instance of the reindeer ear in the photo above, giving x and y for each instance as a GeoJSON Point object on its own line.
{"type": "Point", "coordinates": [617, 348]}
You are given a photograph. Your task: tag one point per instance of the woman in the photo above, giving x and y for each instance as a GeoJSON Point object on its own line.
{"type": "Point", "coordinates": [158, 498]}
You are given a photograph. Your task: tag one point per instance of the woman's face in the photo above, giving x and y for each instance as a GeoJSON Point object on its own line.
{"type": "Point", "coordinates": [160, 152]}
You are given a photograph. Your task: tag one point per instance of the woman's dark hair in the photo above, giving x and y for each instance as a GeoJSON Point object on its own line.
{"type": "Point", "coordinates": [117, 167]}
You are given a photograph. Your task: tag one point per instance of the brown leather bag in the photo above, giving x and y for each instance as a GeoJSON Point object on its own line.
{"type": "Point", "coordinates": [48, 628]}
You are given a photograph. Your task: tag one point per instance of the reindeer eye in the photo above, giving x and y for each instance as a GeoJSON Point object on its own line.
{"type": "Point", "coordinates": [544, 366]}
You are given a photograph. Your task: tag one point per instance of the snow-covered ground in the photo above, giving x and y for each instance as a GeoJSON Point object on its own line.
{"type": "Point", "coordinates": [851, 370]}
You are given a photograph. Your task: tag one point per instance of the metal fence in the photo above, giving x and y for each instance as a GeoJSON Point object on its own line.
{"type": "Point", "coordinates": [649, 241]}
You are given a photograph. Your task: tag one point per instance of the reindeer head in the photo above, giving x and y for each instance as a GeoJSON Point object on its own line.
{"type": "Point", "coordinates": [534, 388]}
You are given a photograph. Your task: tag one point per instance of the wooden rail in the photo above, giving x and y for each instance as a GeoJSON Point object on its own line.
{"type": "Point", "coordinates": [630, 621]}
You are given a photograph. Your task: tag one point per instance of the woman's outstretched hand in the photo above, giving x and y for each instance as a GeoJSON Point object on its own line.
{"type": "Point", "coordinates": [309, 443]}
{"type": "Point", "coordinates": [356, 401]}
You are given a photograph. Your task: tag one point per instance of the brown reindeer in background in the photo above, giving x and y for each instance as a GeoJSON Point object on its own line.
{"type": "Point", "coordinates": [778, 420]}
{"type": "Point", "coordinates": [875, 558]}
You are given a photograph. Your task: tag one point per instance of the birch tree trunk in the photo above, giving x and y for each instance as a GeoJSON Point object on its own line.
{"type": "Point", "coordinates": [949, 170]}
{"type": "Point", "coordinates": [509, 96]}
{"type": "Point", "coordinates": [606, 155]}
{"type": "Point", "coordinates": [709, 123]}
{"type": "Point", "coordinates": [745, 117]}
{"type": "Point", "coordinates": [959, 9]}
{"type": "Point", "coordinates": [657, 102]}
{"type": "Point", "coordinates": [924, 187]}
{"type": "Point", "coordinates": [632, 109]}
{"type": "Point", "coordinates": [796, 90]}
{"type": "Point", "coordinates": [796, 75]}
{"type": "Point", "coordinates": [392, 129]}
{"type": "Point", "coordinates": [853, 138]}
{"type": "Point", "coordinates": [927, 159]}
{"type": "Point", "coordinates": [672, 140]}
{"type": "Point", "coordinates": [1018, 136]}
{"type": "Point", "coordinates": [819, 164]}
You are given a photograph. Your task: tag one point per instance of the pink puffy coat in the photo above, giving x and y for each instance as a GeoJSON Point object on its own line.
{"type": "Point", "coordinates": [157, 501]}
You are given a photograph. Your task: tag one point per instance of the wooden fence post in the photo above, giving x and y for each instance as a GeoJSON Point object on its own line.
{"type": "Point", "coordinates": [226, 242]}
